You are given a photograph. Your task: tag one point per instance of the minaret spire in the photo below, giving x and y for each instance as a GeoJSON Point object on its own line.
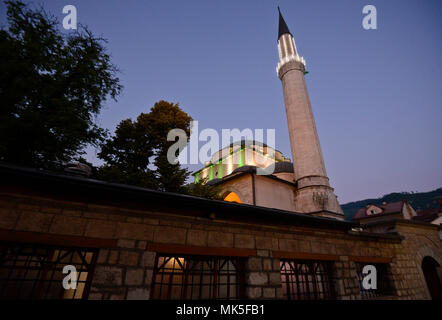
{"type": "Point", "coordinates": [282, 25]}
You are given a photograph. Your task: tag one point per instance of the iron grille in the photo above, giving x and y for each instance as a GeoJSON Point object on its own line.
{"type": "Point", "coordinates": [197, 277]}
{"type": "Point", "coordinates": [307, 280]}
{"type": "Point", "coordinates": [383, 281]}
{"type": "Point", "coordinates": [33, 271]}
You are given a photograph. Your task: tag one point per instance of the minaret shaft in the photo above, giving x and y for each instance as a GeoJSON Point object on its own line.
{"type": "Point", "coordinates": [314, 194]}
{"type": "Point", "coordinates": [304, 141]}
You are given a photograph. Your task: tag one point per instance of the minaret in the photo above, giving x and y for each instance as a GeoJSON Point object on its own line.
{"type": "Point", "coordinates": [313, 194]}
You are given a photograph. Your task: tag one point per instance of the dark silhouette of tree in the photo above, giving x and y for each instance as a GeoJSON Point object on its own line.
{"type": "Point", "coordinates": [52, 87]}
{"type": "Point", "coordinates": [137, 153]}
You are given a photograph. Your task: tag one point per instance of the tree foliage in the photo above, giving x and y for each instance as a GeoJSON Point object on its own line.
{"type": "Point", "coordinates": [52, 87]}
{"type": "Point", "coordinates": [137, 153]}
{"type": "Point", "coordinates": [128, 154]}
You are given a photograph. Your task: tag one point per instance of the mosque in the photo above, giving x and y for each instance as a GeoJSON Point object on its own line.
{"type": "Point", "coordinates": [301, 186]}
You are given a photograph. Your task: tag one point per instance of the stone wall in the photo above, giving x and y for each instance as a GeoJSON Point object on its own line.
{"type": "Point", "coordinates": [124, 270]}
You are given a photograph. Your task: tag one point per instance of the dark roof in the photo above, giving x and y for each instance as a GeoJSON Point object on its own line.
{"type": "Point", "coordinates": [247, 170]}
{"type": "Point", "coordinates": [251, 169]}
{"type": "Point", "coordinates": [280, 167]}
{"type": "Point", "coordinates": [283, 166]}
{"type": "Point", "coordinates": [283, 29]}
{"type": "Point", "coordinates": [112, 194]}
{"type": "Point", "coordinates": [427, 215]}
{"type": "Point", "coordinates": [388, 208]}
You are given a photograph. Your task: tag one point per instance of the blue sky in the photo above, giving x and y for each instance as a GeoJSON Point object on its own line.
{"type": "Point", "coordinates": [376, 94]}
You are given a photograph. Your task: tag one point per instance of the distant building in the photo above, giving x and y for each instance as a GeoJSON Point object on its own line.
{"type": "Point", "coordinates": [400, 209]}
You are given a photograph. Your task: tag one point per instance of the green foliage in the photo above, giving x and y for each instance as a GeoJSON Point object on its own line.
{"type": "Point", "coordinates": [163, 117]}
{"type": "Point", "coordinates": [52, 86]}
{"type": "Point", "coordinates": [203, 190]}
{"type": "Point", "coordinates": [127, 155]}
{"type": "Point", "coordinates": [418, 200]}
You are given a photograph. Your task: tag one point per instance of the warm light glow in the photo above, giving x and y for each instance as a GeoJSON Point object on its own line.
{"type": "Point", "coordinates": [232, 197]}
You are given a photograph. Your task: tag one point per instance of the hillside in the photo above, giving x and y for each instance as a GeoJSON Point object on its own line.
{"type": "Point", "coordinates": [418, 200]}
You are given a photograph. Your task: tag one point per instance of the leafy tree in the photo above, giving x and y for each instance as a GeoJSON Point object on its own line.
{"type": "Point", "coordinates": [127, 156]}
{"type": "Point", "coordinates": [163, 117]}
{"type": "Point", "coordinates": [52, 87]}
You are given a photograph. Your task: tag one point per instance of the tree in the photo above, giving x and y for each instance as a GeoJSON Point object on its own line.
{"type": "Point", "coordinates": [128, 153]}
{"type": "Point", "coordinates": [52, 87]}
{"type": "Point", "coordinates": [127, 156]}
{"type": "Point", "coordinates": [203, 190]}
{"type": "Point", "coordinates": [162, 118]}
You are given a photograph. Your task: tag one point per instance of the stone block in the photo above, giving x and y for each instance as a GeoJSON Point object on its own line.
{"type": "Point", "coordinates": [257, 278]}
{"type": "Point", "coordinates": [134, 277]}
{"type": "Point", "coordinates": [102, 256]}
{"type": "Point", "coordinates": [170, 235]}
{"type": "Point", "coordinates": [267, 264]}
{"type": "Point", "coordinates": [244, 241]}
{"type": "Point", "coordinates": [148, 259]}
{"type": "Point", "coordinates": [101, 229]}
{"type": "Point", "coordinates": [134, 231]}
{"type": "Point", "coordinates": [275, 278]}
{"type": "Point", "coordinates": [254, 264]}
{"type": "Point", "coordinates": [68, 225]}
{"type": "Point", "coordinates": [269, 293]}
{"type": "Point", "coordinates": [113, 256]}
{"type": "Point", "coordinates": [254, 292]}
{"type": "Point", "coordinates": [197, 238]}
{"type": "Point", "coordinates": [108, 276]}
{"type": "Point", "coordinates": [138, 294]}
{"type": "Point", "coordinates": [8, 218]}
{"type": "Point", "coordinates": [129, 258]}
{"type": "Point", "coordinates": [34, 221]}
{"type": "Point", "coordinates": [220, 239]}
{"type": "Point", "coordinates": [122, 243]}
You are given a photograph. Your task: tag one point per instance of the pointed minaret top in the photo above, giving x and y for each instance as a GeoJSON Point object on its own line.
{"type": "Point", "coordinates": [282, 26]}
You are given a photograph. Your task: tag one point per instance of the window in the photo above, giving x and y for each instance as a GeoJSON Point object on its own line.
{"type": "Point", "coordinates": [232, 197]}
{"type": "Point", "coordinates": [32, 271]}
{"type": "Point", "coordinates": [197, 277]}
{"type": "Point", "coordinates": [383, 280]}
{"type": "Point", "coordinates": [306, 280]}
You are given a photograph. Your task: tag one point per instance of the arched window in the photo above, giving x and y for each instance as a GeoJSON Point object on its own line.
{"type": "Point", "coordinates": [232, 197]}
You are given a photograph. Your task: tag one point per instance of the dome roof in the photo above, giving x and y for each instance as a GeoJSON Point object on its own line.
{"type": "Point", "coordinates": [245, 169]}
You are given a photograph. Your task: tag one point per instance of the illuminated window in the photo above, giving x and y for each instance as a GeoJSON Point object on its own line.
{"type": "Point", "coordinates": [197, 277]}
{"type": "Point", "coordinates": [32, 271]}
{"type": "Point", "coordinates": [232, 197]}
{"type": "Point", "coordinates": [306, 280]}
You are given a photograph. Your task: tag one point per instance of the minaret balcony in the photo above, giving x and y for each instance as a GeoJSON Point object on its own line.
{"type": "Point", "coordinates": [287, 59]}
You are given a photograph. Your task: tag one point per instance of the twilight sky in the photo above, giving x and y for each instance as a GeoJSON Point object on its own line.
{"type": "Point", "coordinates": [376, 94]}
